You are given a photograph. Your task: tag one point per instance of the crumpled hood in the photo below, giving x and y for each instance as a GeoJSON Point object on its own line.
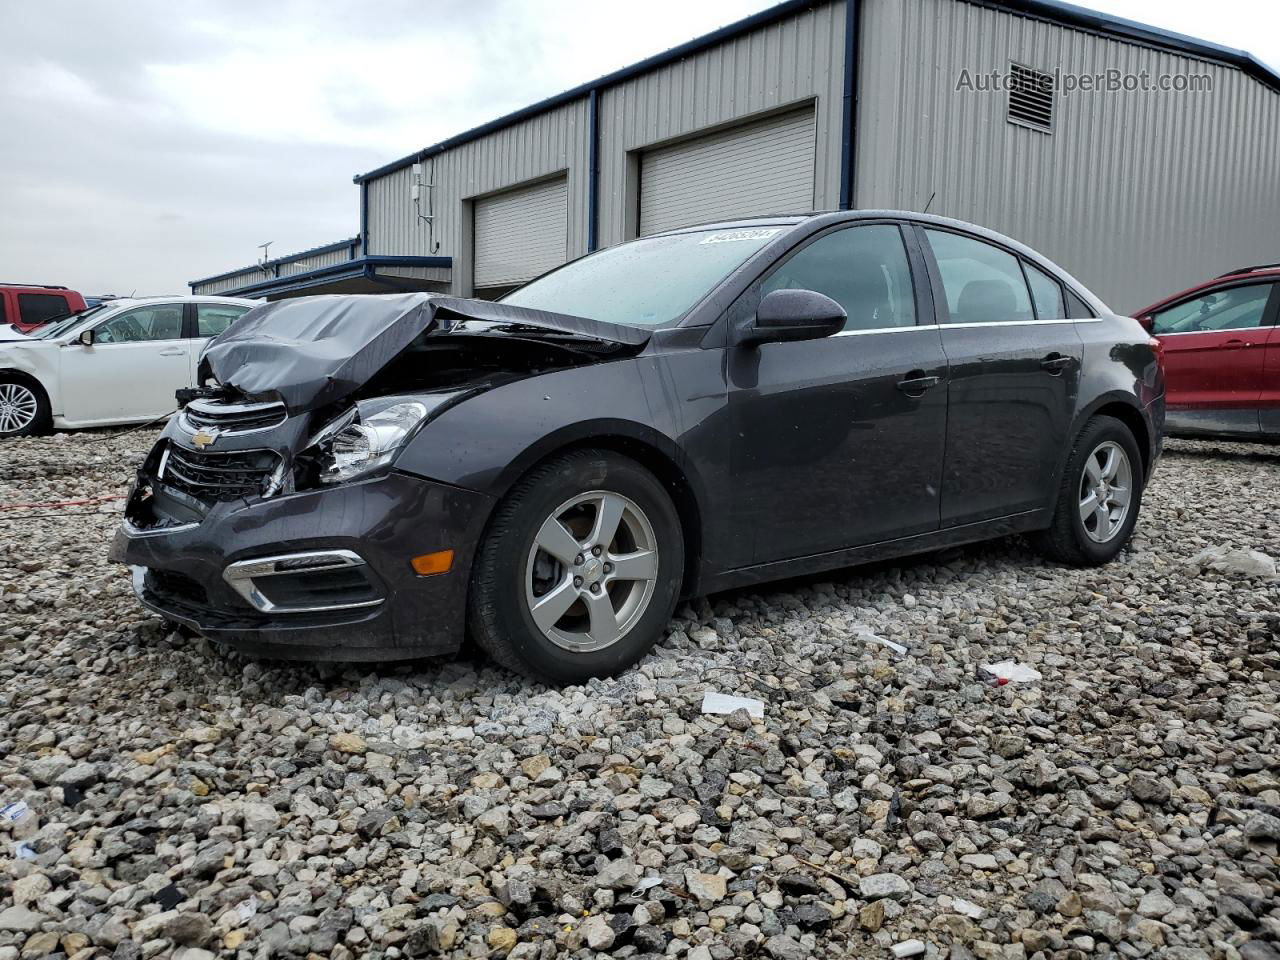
{"type": "Point", "coordinates": [313, 351]}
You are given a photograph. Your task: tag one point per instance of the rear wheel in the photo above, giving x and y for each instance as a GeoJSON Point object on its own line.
{"type": "Point", "coordinates": [24, 408]}
{"type": "Point", "coordinates": [1098, 501]}
{"type": "Point", "coordinates": [580, 569]}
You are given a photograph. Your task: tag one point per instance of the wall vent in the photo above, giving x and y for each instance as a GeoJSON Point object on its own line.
{"type": "Point", "coordinates": [1030, 98]}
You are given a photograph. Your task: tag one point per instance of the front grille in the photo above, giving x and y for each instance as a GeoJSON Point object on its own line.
{"type": "Point", "coordinates": [232, 418]}
{"type": "Point", "coordinates": [167, 585]}
{"type": "Point", "coordinates": [225, 475]}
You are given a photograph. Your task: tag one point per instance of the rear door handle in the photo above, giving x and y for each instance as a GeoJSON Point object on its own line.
{"type": "Point", "coordinates": [1234, 344]}
{"type": "Point", "coordinates": [918, 384]}
{"type": "Point", "coordinates": [172, 353]}
{"type": "Point", "coordinates": [1055, 364]}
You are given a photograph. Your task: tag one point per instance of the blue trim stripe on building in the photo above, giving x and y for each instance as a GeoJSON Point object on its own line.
{"type": "Point", "coordinates": [1052, 10]}
{"type": "Point", "coordinates": [351, 269]}
{"type": "Point", "coordinates": [350, 243]}
{"type": "Point", "coordinates": [849, 111]}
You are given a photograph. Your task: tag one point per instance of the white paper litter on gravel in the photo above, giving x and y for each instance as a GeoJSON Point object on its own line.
{"type": "Point", "coordinates": [723, 703]}
{"type": "Point", "coordinates": [1010, 671]}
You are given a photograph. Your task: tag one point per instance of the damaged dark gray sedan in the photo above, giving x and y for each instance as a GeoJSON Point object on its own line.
{"type": "Point", "coordinates": [373, 478]}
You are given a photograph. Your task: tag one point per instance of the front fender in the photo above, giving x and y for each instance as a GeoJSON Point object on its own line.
{"type": "Point", "coordinates": [673, 404]}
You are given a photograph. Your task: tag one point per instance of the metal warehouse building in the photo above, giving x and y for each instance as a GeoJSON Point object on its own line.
{"type": "Point", "coordinates": [967, 108]}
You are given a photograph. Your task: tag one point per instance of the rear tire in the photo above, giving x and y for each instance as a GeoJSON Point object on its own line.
{"type": "Point", "coordinates": [24, 408]}
{"type": "Point", "coordinates": [598, 599]}
{"type": "Point", "coordinates": [1099, 499]}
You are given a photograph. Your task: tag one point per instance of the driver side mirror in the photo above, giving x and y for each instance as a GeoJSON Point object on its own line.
{"type": "Point", "coordinates": [795, 315]}
{"type": "Point", "coordinates": [85, 339]}
{"type": "Point", "coordinates": [1148, 322]}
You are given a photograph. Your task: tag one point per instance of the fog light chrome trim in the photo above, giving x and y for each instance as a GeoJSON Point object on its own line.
{"type": "Point", "coordinates": [240, 576]}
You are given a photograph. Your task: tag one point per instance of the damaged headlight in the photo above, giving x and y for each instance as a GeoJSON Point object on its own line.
{"type": "Point", "coordinates": [364, 438]}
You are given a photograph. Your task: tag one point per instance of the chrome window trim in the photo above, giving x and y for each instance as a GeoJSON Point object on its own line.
{"type": "Point", "coordinates": [241, 574]}
{"type": "Point", "coordinates": [1190, 333]}
{"type": "Point", "coordinates": [943, 326]}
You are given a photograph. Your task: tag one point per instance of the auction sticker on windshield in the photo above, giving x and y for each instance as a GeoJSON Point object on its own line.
{"type": "Point", "coordinates": [734, 235]}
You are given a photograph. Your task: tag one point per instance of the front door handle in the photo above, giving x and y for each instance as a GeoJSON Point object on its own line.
{"type": "Point", "coordinates": [1234, 344]}
{"type": "Point", "coordinates": [172, 353]}
{"type": "Point", "coordinates": [917, 383]}
{"type": "Point", "coordinates": [1056, 363]}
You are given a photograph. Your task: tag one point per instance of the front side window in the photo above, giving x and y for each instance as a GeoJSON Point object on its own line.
{"type": "Point", "coordinates": [864, 269]}
{"type": "Point", "coordinates": [159, 322]}
{"type": "Point", "coordinates": [983, 283]}
{"type": "Point", "coordinates": [645, 283]}
{"type": "Point", "coordinates": [41, 307]}
{"type": "Point", "coordinates": [1235, 308]}
{"type": "Point", "coordinates": [1046, 294]}
{"type": "Point", "coordinates": [213, 318]}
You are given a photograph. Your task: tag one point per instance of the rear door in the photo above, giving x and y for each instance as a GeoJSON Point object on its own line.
{"type": "Point", "coordinates": [1014, 382]}
{"type": "Point", "coordinates": [838, 442]}
{"type": "Point", "coordinates": [139, 359]}
{"type": "Point", "coordinates": [1214, 347]}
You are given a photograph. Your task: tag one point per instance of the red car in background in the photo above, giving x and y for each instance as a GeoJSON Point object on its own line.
{"type": "Point", "coordinates": [29, 306]}
{"type": "Point", "coordinates": [1222, 355]}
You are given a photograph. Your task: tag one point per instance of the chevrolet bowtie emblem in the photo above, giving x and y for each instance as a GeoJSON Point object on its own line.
{"type": "Point", "coordinates": [202, 438]}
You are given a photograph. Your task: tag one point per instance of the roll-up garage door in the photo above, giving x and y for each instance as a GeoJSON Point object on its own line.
{"type": "Point", "coordinates": [520, 234]}
{"type": "Point", "coordinates": [758, 168]}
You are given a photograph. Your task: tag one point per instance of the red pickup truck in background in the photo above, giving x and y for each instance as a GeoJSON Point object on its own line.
{"type": "Point", "coordinates": [28, 306]}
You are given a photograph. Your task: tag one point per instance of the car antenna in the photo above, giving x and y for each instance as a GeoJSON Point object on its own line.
{"type": "Point", "coordinates": [930, 203]}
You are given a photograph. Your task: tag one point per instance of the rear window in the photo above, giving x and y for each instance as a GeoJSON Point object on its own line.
{"type": "Point", "coordinates": [41, 307]}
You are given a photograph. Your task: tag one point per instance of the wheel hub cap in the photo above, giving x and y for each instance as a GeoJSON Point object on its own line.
{"type": "Point", "coordinates": [1106, 489]}
{"type": "Point", "coordinates": [591, 571]}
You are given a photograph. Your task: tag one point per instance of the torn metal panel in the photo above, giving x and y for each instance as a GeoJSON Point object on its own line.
{"type": "Point", "coordinates": [313, 351]}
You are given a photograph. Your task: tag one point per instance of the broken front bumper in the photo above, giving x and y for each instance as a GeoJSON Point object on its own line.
{"type": "Point", "coordinates": [319, 575]}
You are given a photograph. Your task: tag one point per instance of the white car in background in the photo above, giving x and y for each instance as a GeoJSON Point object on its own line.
{"type": "Point", "coordinates": [118, 362]}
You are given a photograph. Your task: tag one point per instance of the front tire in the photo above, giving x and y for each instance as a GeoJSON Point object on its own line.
{"type": "Point", "coordinates": [24, 408]}
{"type": "Point", "coordinates": [579, 571]}
{"type": "Point", "coordinates": [1098, 502]}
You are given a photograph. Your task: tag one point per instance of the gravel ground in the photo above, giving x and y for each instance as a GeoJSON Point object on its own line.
{"type": "Point", "coordinates": [185, 801]}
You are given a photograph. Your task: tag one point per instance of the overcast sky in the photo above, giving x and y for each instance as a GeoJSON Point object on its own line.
{"type": "Point", "coordinates": [143, 144]}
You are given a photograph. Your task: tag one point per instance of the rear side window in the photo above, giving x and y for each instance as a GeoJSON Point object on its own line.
{"type": "Point", "coordinates": [1236, 308]}
{"type": "Point", "coordinates": [864, 269]}
{"type": "Point", "coordinates": [1046, 294]}
{"type": "Point", "coordinates": [3, 318]}
{"type": "Point", "coordinates": [41, 307]}
{"type": "Point", "coordinates": [213, 318]}
{"type": "Point", "coordinates": [983, 283]}
{"type": "Point", "coordinates": [1078, 308]}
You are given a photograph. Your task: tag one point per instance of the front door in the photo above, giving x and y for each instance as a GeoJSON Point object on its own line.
{"type": "Point", "coordinates": [1214, 349]}
{"type": "Point", "coordinates": [1015, 376]}
{"type": "Point", "coordinates": [838, 442]}
{"type": "Point", "coordinates": [139, 358]}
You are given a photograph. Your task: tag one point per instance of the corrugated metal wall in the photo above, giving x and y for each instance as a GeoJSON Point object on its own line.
{"type": "Point", "coordinates": [549, 143]}
{"type": "Point", "coordinates": [1138, 194]}
{"type": "Point", "coordinates": [794, 60]}
{"type": "Point", "coordinates": [302, 264]}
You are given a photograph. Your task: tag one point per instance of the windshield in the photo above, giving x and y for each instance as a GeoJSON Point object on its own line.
{"type": "Point", "coordinates": [67, 324]}
{"type": "Point", "coordinates": [645, 283]}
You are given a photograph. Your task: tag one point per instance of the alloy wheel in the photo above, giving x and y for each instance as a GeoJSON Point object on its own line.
{"type": "Point", "coordinates": [1106, 491]}
{"type": "Point", "coordinates": [591, 571]}
{"type": "Point", "coordinates": [18, 406]}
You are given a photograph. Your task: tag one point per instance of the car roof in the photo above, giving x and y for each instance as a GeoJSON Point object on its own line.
{"type": "Point", "coordinates": [831, 217]}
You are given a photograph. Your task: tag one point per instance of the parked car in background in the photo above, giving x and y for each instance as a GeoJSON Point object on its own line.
{"type": "Point", "coordinates": [1221, 343]}
{"type": "Point", "coordinates": [118, 362]}
{"type": "Point", "coordinates": [29, 306]}
{"type": "Point", "coordinates": [366, 477]}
